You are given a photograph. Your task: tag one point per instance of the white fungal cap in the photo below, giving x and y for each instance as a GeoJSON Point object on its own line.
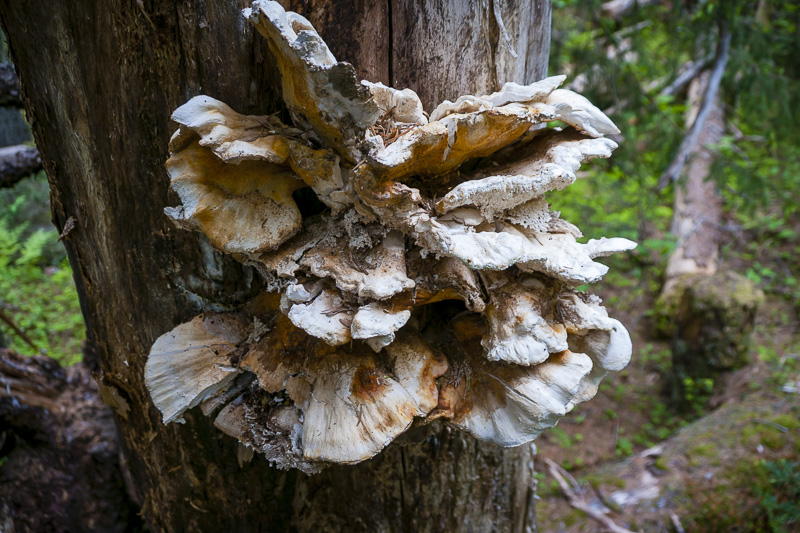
{"type": "Point", "coordinates": [511, 405]}
{"type": "Point", "coordinates": [550, 165]}
{"type": "Point", "coordinates": [325, 317]}
{"type": "Point", "coordinates": [579, 112]}
{"type": "Point", "coordinates": [379, 275]}
{"type": "Point", "coordinates": [353, 408]}
{"type": "Point", "coordinates": [447, 278]}
{"type": "Point", "coordinates": [354, 402]}
{"type": "Point", "coordinates": [319, 92]}
{"type": "Point", "coordinates": [234, 138]}
{"type": "Point", "coordinates": [377, 324]}
{"type": "Point", "coordinates": [591, 331]}
{"type": "Point", "coordinates": [510, 93]}
{"type": "Point", "coordinates": [452, 138]}
{"type": "Point", "coordinates": [399, 106]}
{"type": "Point", "coordinates": [398, 212]}
{"type": "Point", "coordinates": [556, 254]}
{"type": "Point", "coordinates": [190, 363]}
{"type": "Point", "coordinates": [518, 333]}
{"type": "Point", "coordinates": [245, 208]}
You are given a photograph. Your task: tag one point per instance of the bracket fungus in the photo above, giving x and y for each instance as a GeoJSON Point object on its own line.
{"type": "Point", "coordinates": [431, 282]}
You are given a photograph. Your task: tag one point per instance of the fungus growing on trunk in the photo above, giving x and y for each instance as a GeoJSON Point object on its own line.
{"type": "Point", "coordinates": [433, 282]}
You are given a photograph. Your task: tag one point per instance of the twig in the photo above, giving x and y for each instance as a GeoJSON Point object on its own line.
{"type": "Point", "coordinates": [7, 319]}
{"type": "Point", "coordinates": [782, 429]}
{"type": "Point", "coordinates": [605, 501]}
{"type": "Point", "coordinates": [676, 523]}
{"type": "Point", "coordinates": [693, 68]}
{"type": "Point", "coordinates": [578, 503]}
{"type": "Point", "coordinates": [690, 141]}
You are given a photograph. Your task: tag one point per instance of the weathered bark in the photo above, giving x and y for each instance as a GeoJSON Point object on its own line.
{"type": "Point", "coordinates": [99, 83]}
{"type": "Point", "coordinates": [698, 207]}
{"type": "Point", "coordinates": [17, 162]}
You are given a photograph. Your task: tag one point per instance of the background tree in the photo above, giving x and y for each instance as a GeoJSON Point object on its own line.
{"type": "Point", "coordinates": [99, 81]}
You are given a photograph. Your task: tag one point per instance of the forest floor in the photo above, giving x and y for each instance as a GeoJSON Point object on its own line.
{"type": "Point", "coordinates": [729, 464]}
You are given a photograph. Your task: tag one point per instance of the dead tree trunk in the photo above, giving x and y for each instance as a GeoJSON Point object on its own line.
{"type": "Point", "coordinates": [99, 81]}
{"type": "Point", "coordinates": [709, 314]}
{"type": "Point", "coordinates": [698, 207]}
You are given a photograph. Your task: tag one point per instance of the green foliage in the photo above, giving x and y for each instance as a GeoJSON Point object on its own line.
{"type": "Point", "coordinates": [781, 500]}
{"type": "Point", "coordinates": [625, 64]}
{"type": "Point", "coordinates": [623, 447]}
{"type": "Point", "coordinates": [696, 393]}
{"type": "Point", "coordinates": [36, 287]}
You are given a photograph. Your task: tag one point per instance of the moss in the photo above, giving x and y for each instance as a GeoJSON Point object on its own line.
{"type": "Point", "coordinates": [729, 502]}
{"type": "Point", "coordinates": [665, 308]}
{"type": "Point", "coordinates": [604, 480]}
{"type": "Point", "coordinates": [789, 421]}
{"type": "Point", "coordinates": [573, 517]}
{"type": "Point", "coordinates": [714, 322]}
{"type": "Point", "coordinates": [769, 433]}
{"type": "Point", "coordinates": [699, 454]}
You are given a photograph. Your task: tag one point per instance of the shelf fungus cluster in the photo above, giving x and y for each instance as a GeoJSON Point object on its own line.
{"type": "Point", "coordinates": [413, 270]}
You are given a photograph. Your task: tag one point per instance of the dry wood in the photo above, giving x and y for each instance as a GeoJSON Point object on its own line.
{"type": "Point", "coordinates": [698, 211]}
{"type": "Point", "coordinates": [579, 503]}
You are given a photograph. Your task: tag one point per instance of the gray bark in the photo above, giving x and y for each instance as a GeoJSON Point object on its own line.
{"type": "Point", "coordinates": [99, 81]}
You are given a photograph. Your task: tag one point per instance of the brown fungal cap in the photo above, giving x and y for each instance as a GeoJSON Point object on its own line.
{"type": "Point", "coordinates": [413, 266]}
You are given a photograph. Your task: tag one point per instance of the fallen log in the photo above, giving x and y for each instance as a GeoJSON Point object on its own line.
{"type": "Point", "coordinates": [18, 162]}
{"type": "Point", "coordinates": [61, 469]}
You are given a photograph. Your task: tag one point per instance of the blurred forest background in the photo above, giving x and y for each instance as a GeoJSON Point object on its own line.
{"type": "Point", "coordinates": [667, 445]}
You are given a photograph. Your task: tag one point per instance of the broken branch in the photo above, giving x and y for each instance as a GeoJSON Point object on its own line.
{"type": "Point", "coordinates": [675, 168]}
{"type": "Point", "coordinates": [22, 335]}
{"type": "Point", "coordinates": [577, 502]}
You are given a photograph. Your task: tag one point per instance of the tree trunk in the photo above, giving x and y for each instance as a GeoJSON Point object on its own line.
{"type": "Point", "coordinates": [99, 81]}
{"type": "Point", "coordinates": [698, 207]}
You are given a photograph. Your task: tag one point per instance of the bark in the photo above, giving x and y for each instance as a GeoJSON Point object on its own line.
{"type": "Point", "coordinates": [99, 82]}
{"type": "Point", "coordinates": [17, 162]}
{"type": "Point", "coordinates": [698, 207]}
